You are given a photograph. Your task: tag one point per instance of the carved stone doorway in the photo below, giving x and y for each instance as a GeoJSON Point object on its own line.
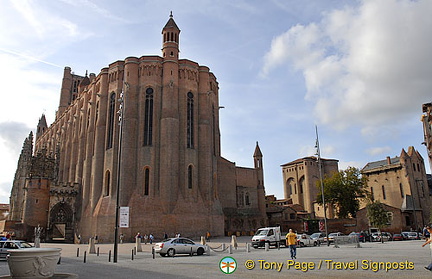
{"type": "Point", "coordinates": [61, 223]}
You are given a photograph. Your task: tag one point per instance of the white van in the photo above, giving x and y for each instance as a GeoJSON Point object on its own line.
{"type": "Point", "coordinates": [270, 235]}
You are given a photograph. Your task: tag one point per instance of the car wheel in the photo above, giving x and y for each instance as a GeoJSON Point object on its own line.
{"type": "Point", "coordinates": [162, 254]}
{"type": "Point", "coordinates": [315, 243]}
{"type": "Point", "coordinates": [200, 251]}
{"type": "Point", "coordinates": [171, 252]}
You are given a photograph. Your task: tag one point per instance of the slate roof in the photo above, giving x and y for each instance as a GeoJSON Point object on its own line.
{"type": "Point", "coordinates": [383, 163]}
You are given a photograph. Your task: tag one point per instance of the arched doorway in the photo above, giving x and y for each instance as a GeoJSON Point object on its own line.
{"type": "Point", "coordinates": [61, 223]}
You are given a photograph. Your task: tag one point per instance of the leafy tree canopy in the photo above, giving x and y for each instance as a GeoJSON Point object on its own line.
{"type": "Point", "coordinates": [343, 190]}
{"type": "Point", "coordinates": [378, 216]}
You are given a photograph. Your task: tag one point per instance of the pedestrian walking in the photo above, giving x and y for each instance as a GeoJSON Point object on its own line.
{"type": "Point", "coordinates": [291, 241]}
{"type": "Point", "coordinates": [121, 238]}
{"type": "Point", "coordinates": [151, 237]}
{"type": "Point", "coordinates": [428, 241]}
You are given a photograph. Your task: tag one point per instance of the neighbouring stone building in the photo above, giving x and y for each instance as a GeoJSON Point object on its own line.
{"type": "Point", "coordinates": [166, 156]}
{"type": "Point", "coordinates": [427, 129]}
{"type": "Point", "coordinates": [4, 211]}
{"type": "Point", "coordinates": [401, 183]}
{"type": "Point", "coordinates": [300, 178]}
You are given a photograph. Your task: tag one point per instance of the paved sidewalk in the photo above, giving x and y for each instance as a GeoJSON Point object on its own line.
{"type": "Point", "coordinates": [404, 259]}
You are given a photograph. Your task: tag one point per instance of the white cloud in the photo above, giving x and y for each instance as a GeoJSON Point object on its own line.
{"type": "Point", "coordinates": [343, 165]}
{"type": "Point", "coordinates": [43, 23]}
{"type": "Point", "coordinates": [367, 65]}
{"type": "Point", "coordinates": [379, 150]}
{"type": "Point", "coordinates": [4, 192]}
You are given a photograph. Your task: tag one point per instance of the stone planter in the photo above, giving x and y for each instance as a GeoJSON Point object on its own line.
{"type": "Point", "coordinates": [33, 262]}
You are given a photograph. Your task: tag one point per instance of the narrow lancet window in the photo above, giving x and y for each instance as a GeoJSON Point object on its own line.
{"type": "Point", "coordinates": [190, 120]}
{"type": "Point", "coordinates": [111, 113]}
{"type": "Point", "coordinates": [148, 117]}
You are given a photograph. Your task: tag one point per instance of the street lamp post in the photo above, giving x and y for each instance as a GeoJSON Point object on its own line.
{"type": "Point", "coordinates": [117, 215]}
{"type": "Point", "coordinates": [318, 153]}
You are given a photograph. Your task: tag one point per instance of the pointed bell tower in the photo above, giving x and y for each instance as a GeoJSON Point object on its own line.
{"type": "Point", "coordinates": [258, 163]}
{"type": "Point", "coordinates": [258, 157]}
{"type": "Point", "coordinates": [41, 127]}
{"type": "Point", "coordinates": [171, 38]}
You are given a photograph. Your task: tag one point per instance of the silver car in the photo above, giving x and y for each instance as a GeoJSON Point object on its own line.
{"type": "Point", "coordinates": [179, 245]}
{"type": "Point", "coordinates": [12, 244]}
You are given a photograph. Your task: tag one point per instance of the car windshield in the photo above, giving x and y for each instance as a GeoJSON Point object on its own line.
{"type": "Point", "coordinates": [314, 235]}
{"type": "Point", "coordinates": [261, 232]}
{"type": "Point", "coordinates": [333, 234]}
{"type": "Point", "coordinates": [25, 245]}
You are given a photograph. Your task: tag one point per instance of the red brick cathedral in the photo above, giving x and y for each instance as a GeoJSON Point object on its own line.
{"type": "Point", "coordinates": [166, 156]}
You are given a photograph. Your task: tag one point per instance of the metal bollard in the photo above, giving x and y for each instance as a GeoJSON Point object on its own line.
{"type": "Point", "coordinates": [191, 253]}
{"type": "Point", "coordinates": [267, 246]}
{"type": "Point", "coordinates": [132, 252]}
{"type": "Point", "coordinates": [135, 250]}
{"type": "Point", "coordinates": [77, 252]}
{"type": "Point", "coordinates": [153, 252]}
{"type": "Point", "coordinates": [278, 245]}
{"type": "Point", "coordinates": [247, 248]}
{"type": "Point", "coordinates": [230, 249]}
{"type": "Point", "coordinates": [223, 246]}
{"type": "Point", "coordinates": [109, 256]}
{"type": "Point", "coordinates": [85, 256]}
{"type": "Point", "coordinates": [97, 252]}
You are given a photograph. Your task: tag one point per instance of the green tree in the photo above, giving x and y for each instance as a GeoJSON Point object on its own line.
{"type": "Point", "coordinates": [344, 189]}
{"type": "Point", "coordinates": [378, 216]}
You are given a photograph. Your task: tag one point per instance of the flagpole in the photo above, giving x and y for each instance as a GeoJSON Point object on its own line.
{"type": "Point", "coordinates": [318, 153]}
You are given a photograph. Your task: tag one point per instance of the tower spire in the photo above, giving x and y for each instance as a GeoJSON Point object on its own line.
{"type": "Point", "coordinates": [258, 157]}
{"type": "Point", "coordinates": [171, 38]}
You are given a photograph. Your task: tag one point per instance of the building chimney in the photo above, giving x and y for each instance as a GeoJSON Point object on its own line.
{"type": "Point", "coordinates": [388, 160]}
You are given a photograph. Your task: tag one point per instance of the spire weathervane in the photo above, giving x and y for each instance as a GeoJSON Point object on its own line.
{"type": "Point", "coordinates": [171, 15]}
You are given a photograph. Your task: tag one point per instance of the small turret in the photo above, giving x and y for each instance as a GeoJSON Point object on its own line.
{"type": "Point", "coordinates": [258, 157]}
{"type": "Point", "coordinates": [41, 127]}
{"type": "Point", "coordinates": [171, 38]}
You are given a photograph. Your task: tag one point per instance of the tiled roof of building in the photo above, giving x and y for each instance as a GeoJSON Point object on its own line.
{"type": "Point", "coordinates": [382, 163]}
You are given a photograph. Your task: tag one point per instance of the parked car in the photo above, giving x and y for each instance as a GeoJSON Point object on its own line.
{"type": "Point", "coordinates": [331, 236]}
{"type": "Point", "coordinates": [361, 236]}
{"type": "Point", "coordinates": [179, 245]}
{"type": "Point", "coordinates": [398, 237]}
{"type": "Point", "coordinates": [305, 240]}
{"type": "Point", "coordinates": [381, 236]}
{"type": "Point", "coordinates": [387, 236]}
{"type": "Point", "coordinates": [318, 237]}
{"type": "Point", "coordinates": [12, 244]}
{"type": "Point", "coordinates": [411, 235]}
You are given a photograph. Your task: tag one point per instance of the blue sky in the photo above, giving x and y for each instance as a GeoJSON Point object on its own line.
{"type": "Point", "coordinates": [360, 70]}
